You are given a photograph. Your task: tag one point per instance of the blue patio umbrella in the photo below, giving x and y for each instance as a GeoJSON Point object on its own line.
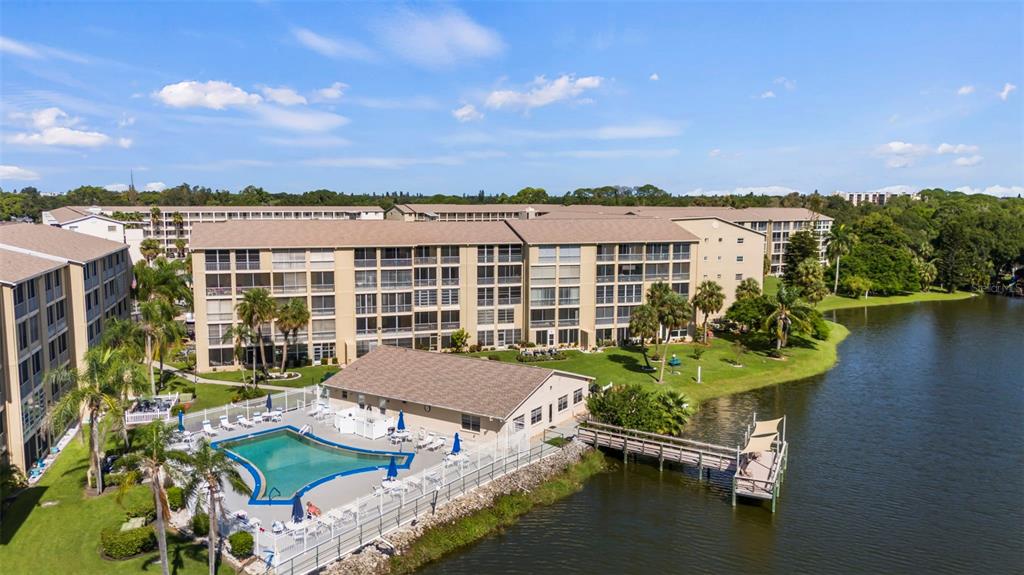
{"type": "Point", "coordinates": [457, 444]}
{"type": "Point", "coordinates": [181, 421]}
{"type": "Point", "coordinates": [298, 513]}
{"type": "Point", "coordinates": [270, 404]}
{"type": "Point", "coordinates": [392, 469]}
{"type": "Point", "coordinates": [401, 421]}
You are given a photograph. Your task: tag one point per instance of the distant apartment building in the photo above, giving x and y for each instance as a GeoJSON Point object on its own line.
{"type": "Point", "coordinates": [877, 197]}
{"type": "Point", "coordinates": [572, 282]}
{"type": "Point", "coordinates": [93, 222]}
{"type": "Point", "coordinates": [170, 224]}
{"type": "Point", "coordinates": [58, 288]}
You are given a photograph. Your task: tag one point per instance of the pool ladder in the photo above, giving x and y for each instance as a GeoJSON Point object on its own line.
{"type": "Point", "coordinates": [305, 429]}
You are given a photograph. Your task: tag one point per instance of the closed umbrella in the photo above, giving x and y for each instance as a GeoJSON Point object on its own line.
{"type": "Point", "coordinates": [297, 512]}
{"type": "Point", "coordinates": [392, 469]}
{"type": "Point", "coordinates": [457, 444]}
{"type": "Point", "coordinates": [270, 404]}
{"type": "Point", "coordinates": [401, 421]}
{"type": "Point", "coordinates": [181, 421]}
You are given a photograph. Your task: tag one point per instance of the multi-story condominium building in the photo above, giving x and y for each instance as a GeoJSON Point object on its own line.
{"type": "Point", "coordinates": [93, 222]}
{"type": "Point", "coordinates": [728, 253]}
{"type": "Point", "coordinates": [367, 283]}
{"type": "Point", "coordinates": [775, 223]}
{"type": "Point", "coordinates": [171, 226]}
{"type": "Point", "coordinates": [877, 197]}
{"type": "Point", "coordinates": [57, 290]}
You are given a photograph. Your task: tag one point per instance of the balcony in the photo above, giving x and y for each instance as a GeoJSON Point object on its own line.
{"type": "Point", "coordinates": [426, 282]}
{"type": "Point", "coordinates": [683, 256]}
{"type": "Point", "coordinates": [246, 265]}
{"type": "Point", "coordinates": [681, 277]}
{"type": "Point", "coordinates": [485, 302]}
{"type": "Point", "coordinates": [510, 280]}
{"type": "Point", "coordinates": [605, 257]}
{"type": "Point", "coordinates": [630, 278]}
{"type": "Point", "coordinates": [426, 327]}
{"type": "Point", "coordinates": [396, 308]}
{"type": "Point", "coordinates": [216, 266]}
{"type": "Point", "coordinates": [290, 289]}
{"type": "Point", "coordinates": [323, 335]}
{"type": "Point", "coordinates": [569, 301]}
{"type": "Point", "coordinates": [396, 285]}
{"type": "Point", "coordinates": [631, 257]}
{"type": "Point", "coordinates": [366, 286]}
{"type": "Point", "coordinates": [428, 261]}
{"type": "Point", "coordinates": [396, 329]}
{"type": "Point", "coordinates": [605, 279]}
{"type": "Point", "coordinates": [542, 323]}
{"type": "Point", "coordinates": [485, 258]}
{"type": "Point", "coordinates": [449, 260]}
{"type": "Point", "coordinates": [323, 287]}
{"type": "Point", "coordinates": [54, 294]}
{"type": "Point", "coordinates": [510, 301]}
{"type": "Point", "coordinates": [366, 263]}
{"type": "Point", "coordinates": [366, 309]}
{"type": "Point", "coordinates": [366, 331]}
{"type": "Point", "coordinates": [542, 302]}
{"type": "Point", "coordinates": [449, 325]}
{"type": "Point", "coordinates": [605, 299]}
{"type": "Point", "coordinates": [568, 322]}
{"type": "Point", "coordinates": [449, 281]}
{"type": "Point", "coordinates": [656, 276]}
{"type": "Point", "coordinates": [605, 320]}
{"type": "Point", "coordinates": [56, 328]}
{"type": "Point", "coordinates": [26, 307]}
{"type": "Point", "coordinates": [323, 311]}
{"type": "Point", "coordinates": [426, 303]}
{"type": "Point", "coordinates": [485, 281]}
{"type": "Point", "coordinates": [395, 262]}
{"type": "Point", "coordinates": [218, 317]}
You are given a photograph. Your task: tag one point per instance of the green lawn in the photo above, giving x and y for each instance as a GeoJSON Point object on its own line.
{"type": "Point", "coordinates": [804, 358]}
{"type": "Point", "coordinates": [64, 535]}
{"type": "Point", "coordinates": [310, 375]}
{"type": "Point", "coordinates": [207, 395]}
{"type": "Point", "coordinates": [771, 285]}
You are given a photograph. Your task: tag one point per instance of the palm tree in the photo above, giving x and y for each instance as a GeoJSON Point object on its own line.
{"type": "Point", "coordinates": [256, 309]}
{"type": "Point", "coordinates": [675, 412]}
{"type": "Point", "coordinates": [126, 336]}
{"type": "Point", "coordinates": [179, 244]}
{"type": "Point", "coordinates": [179, 222]}
{"type": "Point", "coordinates": [788, 311]}
{"type": "Point", "coordinates": [154, 315]}
{"type": "Point", "coordinates": [643, 324]}
{"type": "Point", "coordinates": [11, 480]}
{"type": "Point", "coordinates": [657, 297]}
{"type": "Point", "coordinates": [150, 249]}
{"type": "Point", "coordinates": [95, 392]}
{"type": "Point", "coordinates": [676, 315]}
{"type": "Point", "coordinates": [209, 470]}
{"type": "Point", "coordinates": [241, 335]}
{"type": "Point", "coordinates": [169, 334]}
{"type": "Point", "coordinates": [164, 279]}
{"type": "Point", "coordinates": [151, 461]}
{"type": "Point", "coordinates": [708, 299]}
{"type": "Point", "coordinates": [841, 240]}
{"type": "Point", "coordinates": [748, 288]}
{"type": "Point", "coordinates": [291, 317]}
{"type": "Point", "coordinates": [154, 216]}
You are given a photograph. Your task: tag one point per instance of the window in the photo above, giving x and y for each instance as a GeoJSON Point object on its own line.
{"type": "Point", "coordinates": [366, 303]}
{"type": "Point", "coordinates": [544, 296]}
{"type": "Point", "coordinates": [450, 276]}
{"type": "Point", "coordinates": [631, 293]}
{"type": "Point", "coordinates": [484, 296]}
{"type": "Point", "coordinates": [485, 337]}
{"type": "Point", "coordinates": [739, 258]}
{"type": "Point", "coordinates": [569, 254]}
{"type": "Point", "coordinates": [324, 304]}
{"type": "Point", "coordinates": [569, 336]}
{"type": "Point", "coordinates": [569, 316]}
{"type": "Point", "coordinates": [449, 297]}
{"type": "Point", "coordinates": [569, 274]}
{"type": "Point", "coordinates": [450, 319]}
{"type": "Point", "coordinates": [509, 336]}
{"type": "Point", "coordinates": [288, 259]}
{"type": "Point", "coordinates": [366, 279]}
{"type": "Point", "coordinates": [507, 315]}
{"type": "Point", "coordinates": [535, 416]}
{"type": "Point", "coordinates": [321, 259]}
{"type": "Point", "coordinates": [547, 254]}
{"type": "Point", "coordinates": [605, 294]}
{"type": "Point", "coordinates": [485, 316]}
{"type": "Point", "coordinates": [470, 422]}
{"type": "Point", "coordinates": [739, 240]}
{"type": "Point", "coordinates": [605, 314]}
{"type": "Point", "coordinates": [577, 396]}
{"type": "Point", "coordinates": [510, 295]}
{"type": "Point", "coordinates": [247, 259]}
{"type": "Point", "coordinates": [484, 275]}
{"type": "Point", "coordinates": [215, 260]}
{"type": "Point", "coordinates": [426, 297]}
{"type": "Point", "coordinates": [739, 277]}
{"type": "Point", "coordinates": [563, 403]}
{"type": "Point", "coordinates": [519, 423]}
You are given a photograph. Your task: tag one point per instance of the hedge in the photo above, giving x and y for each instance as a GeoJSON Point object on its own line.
{"type": "Point", "coordinates": [241, 544]}
{"type": "Point", "coordinates": [175, 498]}
{"type": "Point", "coordinates": [143, 508]}
{"type": "Point", "coordinates": [524, 358]}
{"type": "Point", "coordinates": [118, 544]}
{"type": "Point", "coordinates": [200, 524]}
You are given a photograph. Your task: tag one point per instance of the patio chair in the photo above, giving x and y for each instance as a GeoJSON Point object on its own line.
{"type": "Point", "coordinates": [315, 412]}
{"type": "Point", "coordinates": [225, 424]}
{"type": "Point", "coordinates": [257, 417]}
{"type": "Point", "coordinates": [241, 420]}
{"type": "Point", "coordinates": [208, 429]}
{"type": "Point", "coordinates": [426, 441]}
{"type": "Point", "coordinates": [275, 415]}
{"type": "Point", "coordinates": [437, 444]}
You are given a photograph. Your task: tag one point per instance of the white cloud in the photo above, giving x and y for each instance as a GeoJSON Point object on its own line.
{"type": "Point", "coordinates": [966, 161]}
{"type": "Point", "coordinates": [438, 40]}
{"type": "Point", "coordinates": [965, 90]}
{"type": "Point", "coordinates": [1005, 93]}
{"type": "Point", "coordinates": [338, 48]}
{"type": "Point", "coordinates": [543, 92]}
{"type": "Point", "coordinates": [767, 94]}
{"type": "Point", "coordinates": [332, 92]}
{"type": "Point", "coordinates": [786, 83]}
{"type": "Point", "coordinates": [898, 154]}
{"type": "Point", "coordinates": [213, 94]}
{"type": "Point", "coordinates": [1000, 191]}
{"type": "Point", "coordinates": [898, 162]}
{"type": "Point", "coordinates": [116, 187]}
{"type": "Point", "coordinates": [154, 186]}
{"type": "Point", "coordinates": [124, 142]}
{"type": "Point", "coordinates": [16, 173]}
{"type": "Point", "coordinates": [413, 103]}
{"type": "Point", "coordinates": [467, 113]}
{"type": "Point", "coordinates": [654, 77]}
{"type": "Point", "coordinates": [283, 95]}
{"type": "Point", "coordinates": [15, 48]}
{"type": "Point", "coordinates": [715, 153]}
{"type": "Point", "coordinates": [956, 149]}
{"type": "Point", "coordinates": [53, 127]}
{"type": "Point", "coordinates": [300, 120]}
{"type": "Point", "coordinates": [894, 189]}
{"type": "Point", "coordinates": [125, 121]}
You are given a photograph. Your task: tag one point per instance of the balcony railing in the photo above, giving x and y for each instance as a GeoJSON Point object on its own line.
{"type": "Point", "coordinates": [322, 311]}
{"type": "Point", "coordinates": [568, 322]}
{"type": "Point", "coordinates": [631, 278]}
{"type": "Point", "coordinates": [243, 289]}
{"type": "Point", "coordinates": [290, 289]}
{"type": "Point", "coordinates": [510, 301]}
{"type": "Point", "coordinates": [323, 287]}
{"type": "Point", "coordinates": [366, 331]}
{"type": "Point", "coordinates": [631, 257]}
{"type": "Point", "coordinates": [450, 325]}
{"type": "Point", "coordinates": [395, 262]}
{"type": "Point", "coordinates": [366, 263]}
{"type": "Point", "coordinates": [54, 294]}
{"type": "Point", "coordinates": [449, 260]}
{"type": "Point", "coordinates": [684, 277]}
{"type": "Point", "coordinates": [215, 266]}
{"type": "Point", "coordinates": [426, 303]}
{"type": "Point", "coordinates": [395, 308]}
{"type": "Point", "coordinates": [426, 326]}
{"type": "Point", "coordinates": [366, 286]}
{"type": "Point", "coordinates": [605, 257]}
{"type": "Point", "coordinates": [426, 282]}
{"type": "Point", "coordinates": [605, 299]}
{"type": "Point", "coordinates": [630, 299]}
{"type": "Point", "coordinates": [485, 258]}
{"type": "Point", "coordinates": [425, 261]}
{"type": "Point", "coordinates": [542, 302]}
{"type": "Point", "coordinates": [510, 279]}
{"type": "Point", "coordinates": [656, 276]}
{"type": "Point", "coordinates": [218, 317]}
{"type": "Point", "coordinates": [396, 285]}
{"type": "Point", "coordinates": [365, 309]}
{"type": "Point", "coordinates": [323, 335]}
{"type": "Point", "coordinates": [484, 302]}
{"type": "Point", "coordinates": [657, 256]}
{"type": "Point", "coordinates": [397, 329]}
{"type": "Point", "coordinates": [605, 279]}
{"type": "Point", "coordinates": [485, 281]}
{"type": "Point", "coordinates": [605, 320]}
{"type": "Point", "coordinates": [247, 265]}
{"type": "Point", "coordinates": [569, 301]}
{"type": "Point", "coordinates": [289, 265]}
{"type": "Point", "coordinates": [542, 323]}
{"type": "Point", "coordinates": [510, 258]}
{"type": "Point", "coordinates": [449, 281]}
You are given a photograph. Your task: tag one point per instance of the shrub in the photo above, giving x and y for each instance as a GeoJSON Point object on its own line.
{"type": "Point", "coordinates": [118, 544]}
{"type": "Point", "coordinates": [241, 544]}
{"type": "Point", "coordinates": [525, 343]}
{"type": "Point", "coordinates": [774, 353]}
{"type": "Point", "coordinates": [697, 353]}
{"type": "Point", "coordinates": [244, 393]}
{"type": "Point", "coordinates": [143, 508]}
{"type": "Point", "coordinates": [819, 328]}
{"type": "Point", "coordinates": [113, 479]}
{"type": "Point", "coordinates": [200, 524]}
{"type": "Point", "coordinates": [493, 357]}
{"type": "Point", "coordinates": [655, 357]}
{"type": "Point", "coordinates": [175, 498]}
{"type": "Point", "coordinates": [523, 358]}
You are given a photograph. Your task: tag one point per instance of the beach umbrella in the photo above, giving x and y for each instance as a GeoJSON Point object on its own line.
{"type": "Point", "coordinates": [457, 444]}
{"type": "Point", "coordinates": [297, 511]}
{"type": "Point", "coordinates": [392, 469]}
{"type": "Point", "coordinates": [401, 421]}
{"type": "Point", "coordinates": [181, 421]}
{"type": "Point", "coordinates": [270, 404]}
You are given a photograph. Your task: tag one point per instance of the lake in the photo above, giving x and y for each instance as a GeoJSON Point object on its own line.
{"type": "Point", "coordinates": [908, 456]}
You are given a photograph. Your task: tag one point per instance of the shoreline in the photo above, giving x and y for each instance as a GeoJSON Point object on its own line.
{"type": "Point", "coordinates": [832, 303]}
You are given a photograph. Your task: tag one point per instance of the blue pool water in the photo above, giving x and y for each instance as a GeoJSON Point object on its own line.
{"type": "Point", "coordinates": [285, 463]}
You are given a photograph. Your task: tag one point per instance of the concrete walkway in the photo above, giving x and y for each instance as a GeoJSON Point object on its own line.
{"type": "Point", "coordinates": [188, 376]}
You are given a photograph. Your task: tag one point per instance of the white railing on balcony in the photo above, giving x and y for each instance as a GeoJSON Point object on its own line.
{"type": "Point", "coordinates": [395, 262]}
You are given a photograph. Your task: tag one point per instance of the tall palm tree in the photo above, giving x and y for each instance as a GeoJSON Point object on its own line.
{"type": "Point", "coordinates": [748, 288]}
{"type": "Point", "coordinates": [210, 469]}
{"type": "Point", "coordinates": [291, 317]}
{"type": "Point", "coordinates": [658, 297]}
{"type": "Point", "coordinates": [676, 315]}
{"type": "Point", "coordinates": [709, 300]}
{"type": "Point", "coordinates": [95, 392]}
{"type": "Point", "coordinates": [841, 240]}
{"type": "Point", "coordinates": [256, 309]}
{"type": "Point", "coordinates": [150, 249]}
{"type": "Point", "coordinates": [169, 334]}
{"type": "Point", "coordinates": [164, 279]}
{"type": "Point", "coordinates": [127, 336]}
{"type": "Point", "coordinates": [643, 324]}
{"type": "Point", "coordinates": [241, 335]}
{"type": "Point", "coordinates": [179, 222]}
{"type": "Point", "coordinates": [154, 315]}
{"type": "Point", "coordinates": [675, 412]}
{"type": "Point", "coordinates": [179, 244]}
{"type": "Point", "coordinates": [788, 311]}
{"type": "Point", "coordinates": [151, 461]}
{"type": "Point", "coordinates": [154, 216]}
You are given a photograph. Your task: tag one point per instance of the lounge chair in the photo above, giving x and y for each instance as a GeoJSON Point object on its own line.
{"type": "Point", "coordinates": [315, 411]}
{"type": "Point", "coordinates": [241, 420]}
{"type": "Point", "coordinates": [426, 441]}
{"type": "Point", "coordinates": [208, 429]}
{"type": "Point", "coordinates": [437, 444]}
{"type": "Point", "coordinates": [275, 415]}
{"type": "Point", "coordinates": [257, 417]}
{"type": "Point", "coordinates": [225, 424]}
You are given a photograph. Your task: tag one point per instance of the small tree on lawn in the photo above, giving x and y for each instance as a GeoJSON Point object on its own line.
{"type": "Point", "coordinates": [709, 300]}
{"type": "Point", "coordinates": [460, 338]}
{"type": "Point", "coordinates": [788, 312]}
{"type": "Point", "coordinates": [643, 324]}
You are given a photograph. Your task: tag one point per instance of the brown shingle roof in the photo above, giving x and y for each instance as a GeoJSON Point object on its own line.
{"type": "Point", "coordinates": [468, 385]}
{"type": "Point", "coordinates": [183, 209]}
{"type": "Point", "coordinates": [583, 231]}
{"type": "Point", "coordinates": [474, 208]}
{"type": "Point", "coordinates": [67, 214]}
{"type": "Point", "coordinates": [16, 267]}
{"type": "Point", "coordinates": [345, 233]}
{"type": "Point", "coordinates": [57, 242]}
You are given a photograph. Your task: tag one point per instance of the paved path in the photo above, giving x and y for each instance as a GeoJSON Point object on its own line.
{"type": "Point", "coordinates": [188, 376]}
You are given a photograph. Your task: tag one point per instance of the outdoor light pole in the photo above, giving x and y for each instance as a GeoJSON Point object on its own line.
{"type": "Point", "coordinates": [433, 504]}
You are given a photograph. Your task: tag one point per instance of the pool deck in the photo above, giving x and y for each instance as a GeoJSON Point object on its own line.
{"type": "Point", "coordinates": [337, 492]}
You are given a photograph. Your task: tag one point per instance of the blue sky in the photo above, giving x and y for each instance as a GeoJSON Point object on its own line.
{"type": "Point", "coordinates": [454, 98]}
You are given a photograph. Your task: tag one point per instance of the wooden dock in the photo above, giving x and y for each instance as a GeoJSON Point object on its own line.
{"type": "Point", "coordinates": [753, 475]}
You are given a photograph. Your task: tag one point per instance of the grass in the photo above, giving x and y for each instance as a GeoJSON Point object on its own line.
{"type": "Point", "coordinates": [831, 302]}
{"type": "Point", "coordinates": [440, 540]}
{"type": "Point", "coordinates": [310, 375]}
{"type": "Point", "coordinates": [64, 536]}
{"type": "Point", "coordinates": [207, 395]}
{"type": "Point", "coordinates": [804, 358]}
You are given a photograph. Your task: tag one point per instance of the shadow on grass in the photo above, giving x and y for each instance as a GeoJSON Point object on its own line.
{"type": "Point", "coordinates": [630, 362]}
{"type": "Point", "coordinates": [15, 514]}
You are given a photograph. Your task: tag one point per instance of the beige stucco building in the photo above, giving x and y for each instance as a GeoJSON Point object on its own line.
{"type": "Point", "coordinates": [727, 254]}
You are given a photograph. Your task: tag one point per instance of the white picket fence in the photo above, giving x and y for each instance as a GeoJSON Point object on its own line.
{"type": "Point", "coordinates": [286, 401]}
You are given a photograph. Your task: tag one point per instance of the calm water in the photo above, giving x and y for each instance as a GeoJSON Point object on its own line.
{"type": "Point", "coordinates": [290, 462]}
{"type": "Point", "coordinates": [907, 457]}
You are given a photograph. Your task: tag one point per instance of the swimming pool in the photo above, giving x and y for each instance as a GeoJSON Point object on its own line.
{"type": "Point", "coordinates": [285, 463]}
